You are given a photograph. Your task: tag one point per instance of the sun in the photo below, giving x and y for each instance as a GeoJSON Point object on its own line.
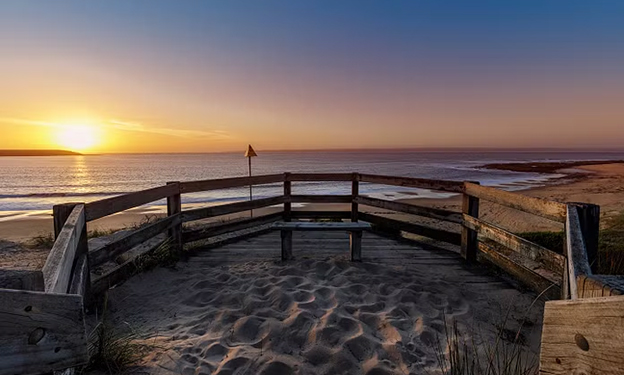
{"type": "Point", "coordinates": [77, 137]}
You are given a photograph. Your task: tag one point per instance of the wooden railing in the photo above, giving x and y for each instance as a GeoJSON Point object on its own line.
{"type": "Point", "coordinates": [67, 271]}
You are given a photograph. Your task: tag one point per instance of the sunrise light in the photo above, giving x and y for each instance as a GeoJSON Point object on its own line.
{"type": "Point", "coordinates": [77, 137]}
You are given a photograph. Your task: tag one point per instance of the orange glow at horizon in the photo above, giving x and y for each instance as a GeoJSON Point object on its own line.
{"type": "Point", "coordinates": [77, 137]}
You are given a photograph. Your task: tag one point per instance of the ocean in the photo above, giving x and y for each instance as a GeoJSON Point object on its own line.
{"type": "Point", "coordinates": [37, 183]}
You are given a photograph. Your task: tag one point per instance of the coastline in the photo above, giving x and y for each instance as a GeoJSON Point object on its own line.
{"type": "Point", "coordinates": [598, 182]}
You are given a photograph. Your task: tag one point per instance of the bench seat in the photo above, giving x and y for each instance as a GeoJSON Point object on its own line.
{"type": "Point", "coordinates": [355, 230]}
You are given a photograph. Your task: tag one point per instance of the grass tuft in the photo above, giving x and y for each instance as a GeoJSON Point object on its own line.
{"type": "Point", "coordinates": [42, 241]}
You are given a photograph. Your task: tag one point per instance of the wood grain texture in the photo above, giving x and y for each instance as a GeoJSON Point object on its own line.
{"type": "Point", "coordinates": [421, 230]}
{"type": "Point", "coordinates": [21, 279]}
{"type": "Point", "coordinates": [600, 286]}
{"type": "Point", "coordinates": [80, 276]}
{"type": "Point", "coordinates": [584, 336]}
{"type": "Point", "coordinates": [442, 185]}
{"type": "Point", "coordinates": [320, 198]}
{"type": "Point", "coordinates": [535, 281]}
{"type": "Point", "coordinates": [298, 214]}
{"type": "Point", "coordinates": [109, 206]}
{"type": "Point", "coordinates": [433, 213]}
{"type": "Point", "coordinates": [225, 209]}
{"type": "Point", "coordinates": [110, 251]}
{"type": "Point", "coordinates": [232, 182]}
{"type": "Point", "coordinates": [578, 265]}
{"type": "Point", "coordinates": [320, 177]}
{"type": "Point", "coordinates": [58, 266]}
{"type": "Point", "coordinates": [40, 332]}
{"type": "Point", "coordinates": [541, 207]}
{"type": "Point", "coordinates": [550, 259]}
{"type": "Point", "coordinates": [315, 226]}
{"type": "Point", "coordinates": [222, 228]}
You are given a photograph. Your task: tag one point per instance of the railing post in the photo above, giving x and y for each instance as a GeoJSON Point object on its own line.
{"type": "Point", "coordinates": [174, 206]}
{"type": "Point", "coordinates": [287, 193]}
{"type": "Point", "coordinates": [61, 213]}
{"type": "Point", "coordinates": [469, 241]}
{"type": "Point", "coordinates": [355, 191]}
{"type": "Point", "coordinates": [589, 217]}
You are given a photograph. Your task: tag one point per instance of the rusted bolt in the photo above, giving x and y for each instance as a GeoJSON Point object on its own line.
{"type": "Point", "coordinates": [36, 336]}
{"type": "Point", "coordinates": [558, 361]}
{"type": "Point", "coordinates": [581, 342]}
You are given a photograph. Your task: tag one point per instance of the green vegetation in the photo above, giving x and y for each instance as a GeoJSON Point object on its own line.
{"type": "Point", "coordinates": [42, 241]}
{"type": "Point", "coordinates": [610, 245]}
{"type": "Point", "coordinates": [113, 351]}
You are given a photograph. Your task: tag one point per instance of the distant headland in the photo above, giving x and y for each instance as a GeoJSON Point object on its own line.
{"type": "Point", "coordinates": [37, 153]}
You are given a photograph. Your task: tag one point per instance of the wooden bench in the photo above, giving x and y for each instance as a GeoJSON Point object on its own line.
{"type": "Point", "coordinates": [354, 228]}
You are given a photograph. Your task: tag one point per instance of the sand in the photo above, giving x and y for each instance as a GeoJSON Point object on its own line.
{"type": "Point", "coordinates": [239, 310]}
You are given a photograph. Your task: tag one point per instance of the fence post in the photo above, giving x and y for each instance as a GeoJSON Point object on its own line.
{"type": "Point", "coordinates": [174, 206]}
{"type": "Point", "coordinates": [355, 191]}
{"type": "Point", "coordinates": [61, 212]}
{"type": "Point", "coordinates": [287, 193]}
{"type": "Point", "coordinates": [589, 217]}
{"type": "Point", "coordinates": [469, 242]}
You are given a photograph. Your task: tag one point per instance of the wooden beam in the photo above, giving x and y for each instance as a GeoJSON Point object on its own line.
{"type": "Point", "coordinates": [224, 183]}
{"type": "Point", "coordinates": [551, 260]}
{"type": "Point", "coordinates": [109, 251]}
{"type": "Point", "coordinates": [528, 277]}
{"type": "Point", "coordinates": [320, 198]}
{"type": "Point", "coordinates": [222, 228]}
{"type": "Point", "coordinates": [584, 336]}
{"type": "Point", "coordinates": [58, 266]}
{"type": "Point", "coordinates": [230, 208]}
{"type": "Point", "coordinates": [541, 207]}
{"type": "Point", "coordinates": [80, 280]}
{"type": "Point", "coordinates": [105, 207]}
{"type": "Point", "coordinates": [589, 217]}
{"type": "Point", "coordinates": [469, 240]}
{"type": "Point", "coordinates": [421, 230]}
{"type": "Point", "coordinates": [320, 214]}
{"type": "Point", "coordinates": [433, 213]}
{"type": "Point", "coordinates": [21, 279]}
{"type": "Point", "coordinates": [600, 286]}
{"type": "Point", "coordinates": [578, 264]}
{"type": "Point", "coordinates": [174, 208]}
{"type": "Point", "coordinates": [287, 193]}
{"type": "Point", "coordinates": [355, 191]}
{"type": "Point", "coordinates": [61, 212]}
{"type": "Point", "coordinates": [321, 226]}
{"type": "Point", "coordinates": [442, 185]}
{"type": "Point", "coordinates": [320, 177]}
{"type": "Point", "coordinates": [41, 332]}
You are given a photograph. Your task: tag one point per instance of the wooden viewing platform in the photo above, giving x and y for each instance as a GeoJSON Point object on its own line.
{"type": "Point", "coordinates": [43, 330]}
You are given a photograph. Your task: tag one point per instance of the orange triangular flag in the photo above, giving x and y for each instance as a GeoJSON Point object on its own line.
{"type": "Point", "coordinates": [250, 152]}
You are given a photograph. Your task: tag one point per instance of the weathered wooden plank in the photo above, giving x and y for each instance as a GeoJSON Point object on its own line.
{"type": "Point", "coordinates": [21, 279]}
{"type": "Point", "coordinates": [550, 259]}
{"type": "Point", "coordinates": [41, 332]}
{"type": "Point", "coordinates": [578, 265]}
{"type": "Point", "coordinates": [320, 177]}
{"type": "Point", "coordinates": [321, 226]}
{"type": "Point", "coordinates": [58, 266]}
{"type": "Point", "coordinates": [80, 276]}
{"type": "Point", "coordinates": [110, 251]}
{"type": "Point", "coordinates": [442, 185]}
{"type": "Point", "coordinates": [469, 240]}
{"type": "Point", "coordinates": [589, 217]}
{"type": "Point", "coordinates": [584, 336]}
{"type": "Point", "coordinates": [421, 230]}
{"type": "Point", "coordinates": [320, 198]}
{"type": "Point", "coordinates": [174, 208]}
{"type": "Point", "coordinates": [224, 209]}
{"type": "Point", "coordinates": [222, 228]}
{"type": "Point", "coordinates": [223, 183]}
{"type": "Point", "coordinates": [545, 208]}
{"type": "Point", "coordinates": [124, 270]}
{"type": "Point", "coordinates": [433, 213]}
{"type": "Point", "coordinates": [320, 214]}
{"type": "Point", "coordinates": [526, 276]}
{"type": "Point", "coordinates": [287, 193]}
{"type": "Point", "coordinates": [600, 286]}
{"type": "Point", "coordinates": [105, 207]}
{"type": "Point", "coordinates": [355, 191]}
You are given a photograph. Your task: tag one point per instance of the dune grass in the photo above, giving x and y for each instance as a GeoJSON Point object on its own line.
{"type": "Point", "coordinates": [610, 259]}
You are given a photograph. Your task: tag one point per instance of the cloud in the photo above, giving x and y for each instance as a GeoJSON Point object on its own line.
{"type": "Point", "coordinates": [134, 127]}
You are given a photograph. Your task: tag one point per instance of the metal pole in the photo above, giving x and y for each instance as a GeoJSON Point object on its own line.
{"type": "Point", "coordinates": [250, 185]}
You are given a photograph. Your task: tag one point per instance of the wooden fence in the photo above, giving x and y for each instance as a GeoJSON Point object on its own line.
{"type": "Point", "coordinates": [47, 327]}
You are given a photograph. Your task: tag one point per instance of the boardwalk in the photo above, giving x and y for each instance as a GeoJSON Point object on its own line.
{"type": "Point", "coordinates": [239, 307]}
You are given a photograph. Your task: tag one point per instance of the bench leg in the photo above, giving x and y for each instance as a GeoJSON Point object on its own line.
{"type": "Point", "coordinates": [286, 244]}
{"type": "Point", "coordinates": [355, 244]}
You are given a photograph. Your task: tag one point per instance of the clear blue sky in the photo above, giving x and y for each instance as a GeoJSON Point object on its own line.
{"type": "Point", "coordinates": [304, 74]}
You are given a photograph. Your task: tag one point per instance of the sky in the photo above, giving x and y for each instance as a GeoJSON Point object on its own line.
{"type": "Point", "coordinates": [211, 76]}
